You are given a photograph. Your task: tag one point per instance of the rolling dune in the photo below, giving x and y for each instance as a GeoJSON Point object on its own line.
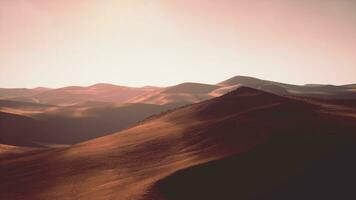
{"type": "Point", "coordinates": [257, 140]}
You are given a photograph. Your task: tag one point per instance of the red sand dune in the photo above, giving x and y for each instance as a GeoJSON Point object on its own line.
{"type": "Point", "coordinates": [278, 137]}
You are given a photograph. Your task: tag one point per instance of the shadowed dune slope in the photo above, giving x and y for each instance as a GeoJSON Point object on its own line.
{"type": "Point", "coordinates": [246, 130]}
{"type": "Point", "coordinates": [291, 167]}
{"type": "Point", "coordinates": [15, 129]}
{"type": "Point", "coordinates": [29, 124]}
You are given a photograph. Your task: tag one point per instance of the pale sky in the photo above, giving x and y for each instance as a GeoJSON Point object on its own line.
{"type": "Point", "coordinates": [55, 43]}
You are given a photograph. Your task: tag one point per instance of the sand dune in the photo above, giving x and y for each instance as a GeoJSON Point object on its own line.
{"type": "Point", "coordinates": [74, 94]}
{"type": "Point", "coordinates": [184, 93]}
{"type": "Point", "coordinates": [267, 139]}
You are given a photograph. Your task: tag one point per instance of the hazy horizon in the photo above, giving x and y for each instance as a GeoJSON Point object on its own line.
{"type": "Point", "coordinates": [137, 43]}
{"type": "Point", "coordinates": [150, 85]}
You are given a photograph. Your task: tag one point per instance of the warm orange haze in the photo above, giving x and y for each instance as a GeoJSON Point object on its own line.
{"type": "Point", "coordinates": [177, 100]}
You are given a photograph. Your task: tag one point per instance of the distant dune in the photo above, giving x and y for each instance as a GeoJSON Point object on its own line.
{"type": "Point", "coordinates": [184, 93]}
{"type": "Point", "coordinates": [74, 94]}
{"type": "Point", "coordinates": [247, 144]}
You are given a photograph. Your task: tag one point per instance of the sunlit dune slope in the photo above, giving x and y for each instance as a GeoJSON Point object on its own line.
{"type": "Point", "coordinates": [184, 93]}
{"type": "Point", "coordinates": [137, 163]}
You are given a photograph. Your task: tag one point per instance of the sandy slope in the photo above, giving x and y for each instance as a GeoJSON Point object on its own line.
{"type": "Point", "coordinates": [135, 163]}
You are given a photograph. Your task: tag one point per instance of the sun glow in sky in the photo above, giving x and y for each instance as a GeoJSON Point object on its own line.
{"type": "Point", "coordinates": [56, 43]}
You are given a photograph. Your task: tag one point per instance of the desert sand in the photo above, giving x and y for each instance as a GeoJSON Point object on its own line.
{"type": "Point", "coordinates": [247, 144]}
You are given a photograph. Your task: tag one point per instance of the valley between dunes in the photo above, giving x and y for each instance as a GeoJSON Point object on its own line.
{"type": "Point", "coordinates": [246, 144]}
